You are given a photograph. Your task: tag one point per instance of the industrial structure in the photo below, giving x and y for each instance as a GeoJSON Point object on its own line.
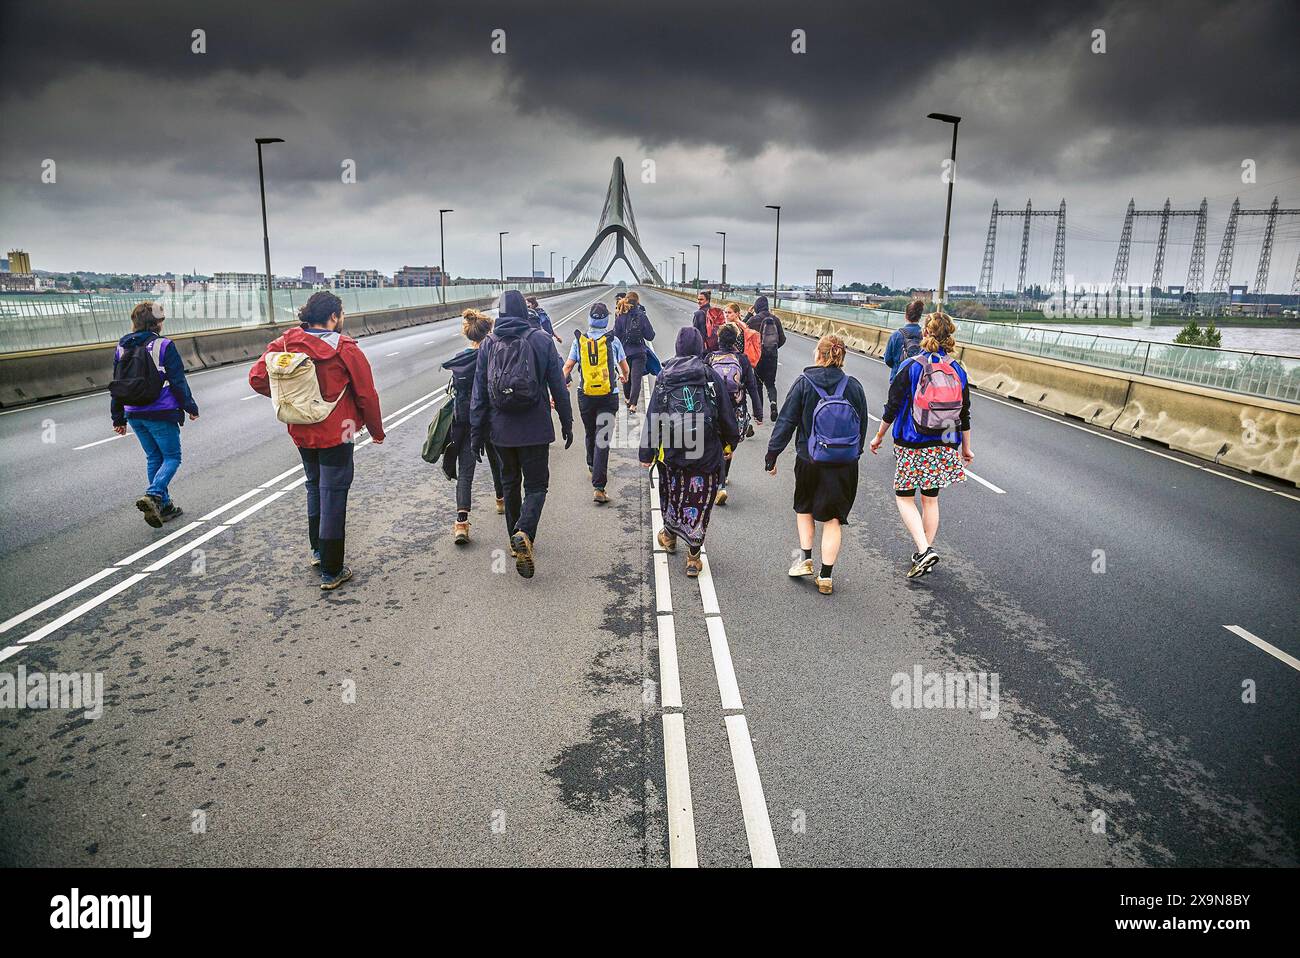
{"type": "Point", "coordinates": [1057, 281]}
{"type": "Point", "coordinates": [1223, 269]}
{"type": "Point", "coordinates": [1196, 268]}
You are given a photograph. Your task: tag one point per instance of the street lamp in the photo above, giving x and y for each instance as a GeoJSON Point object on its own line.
{"type": "Point", "coordinates": [501, 254]}
{"type": "Point", "coordinates": [776, 257]}
{"type": "Point", "coordinates": [723, 234]}
{"type": "Point", "coordinates": [563, 268]}
{"type": "Point", "coordinates": [947, 217]}
{"type": "Point", "coordinates": [442, 256]}
{"type": "Point", "coordinates": [672, 277]}
{"type": "Point", "coordinates": [682, 254]}
{"type": "Point", "coordinates": [266, 241]}
{"type": "Point", "coordinates": [532, 271]}
{"type": "Point", "coordinates": [697, 264]}
{"type": "Point", "coordinates": [551, 271]}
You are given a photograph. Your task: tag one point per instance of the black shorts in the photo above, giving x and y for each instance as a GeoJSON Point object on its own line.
{"type": "Point", "coordinates": [825, 490]}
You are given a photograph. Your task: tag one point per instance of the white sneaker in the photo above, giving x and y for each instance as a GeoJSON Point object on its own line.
{"type": "Point", "coordinates": [801, 567]}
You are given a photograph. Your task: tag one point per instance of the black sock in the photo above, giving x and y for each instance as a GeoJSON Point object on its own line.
{"type": "Point", "coordinates": [462, 515]}
{"type": "Point", "coordinates": [826, 570]}
{"type": "Point", "coordinates": [807, 553]}
{"type": "Point", "coordinates": [694, 553]}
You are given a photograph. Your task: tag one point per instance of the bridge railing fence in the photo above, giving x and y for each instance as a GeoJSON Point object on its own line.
{"type": "Point", "coordinates": [1268, 375]}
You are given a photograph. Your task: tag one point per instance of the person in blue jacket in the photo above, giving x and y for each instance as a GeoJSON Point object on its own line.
{"type": "Point", "coordinates": [905, 342]}
{"type": "Point", "coordinates": [522, 437]}
{"type": "Point", "coordinates": [543, 319]}
{"type": "Point", "coordinates": [632, 328]}
{"type": "Point", "coordinates": [157, 424]}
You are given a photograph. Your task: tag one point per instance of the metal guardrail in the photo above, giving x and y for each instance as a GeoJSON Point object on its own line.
{"type": "Point", "coordinates": [51, 320]}
{"type": "Point", "coordinates": [1266, 375]}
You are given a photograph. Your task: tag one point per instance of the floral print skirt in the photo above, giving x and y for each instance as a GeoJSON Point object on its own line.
{"type": "Point", "coordinates": [933, 467]}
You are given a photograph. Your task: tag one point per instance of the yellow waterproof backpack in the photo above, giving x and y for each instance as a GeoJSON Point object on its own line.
{"type": "Point", "coordinates": [594, 356]}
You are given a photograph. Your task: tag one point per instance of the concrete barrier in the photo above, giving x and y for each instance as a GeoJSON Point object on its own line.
{"type": "Point", "coordinates": [54, 373]}
{"type": "Point", "coordinates": [1249, 433]}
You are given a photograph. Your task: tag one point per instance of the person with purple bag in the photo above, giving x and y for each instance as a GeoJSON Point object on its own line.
{"type": "Point", "coordinates": [826, 412]}
{"type": "Point", "coordinates": [151, 394]}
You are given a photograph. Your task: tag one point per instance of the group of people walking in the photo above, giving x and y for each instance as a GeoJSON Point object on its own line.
{"type": "Point", "coordinates": [509, 384]}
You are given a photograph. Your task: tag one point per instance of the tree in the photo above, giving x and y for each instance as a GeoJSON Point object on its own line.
{"type": "Point", "coordinates": [1193, 335]}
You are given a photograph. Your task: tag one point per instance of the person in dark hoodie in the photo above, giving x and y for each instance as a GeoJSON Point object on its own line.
{"type": "Point", "coordinates": [517, 366]}
{"type": "Point", "coordinates": [772, 337]}
{"type": "Point", "coordinates": [632, 328]}
{"type": "Point", "coordinates": [475, 326]}
{"type": "Point", "coordinates": [730, 362]}
{"type": "Point", "coordinates": [157, 424]}
{"type": "Point", "coordinates": [703, 299]}
{"type": "Point", "coordinates": [343, 372]}
{"type": "Point", "coordinates": [826, 453]}
{"type": "Point", "coordinates": [904, 343]}
{"type": "Point", "coordinates": [689, 430]}
{"type": "Point", "coordinates": [543, 320]}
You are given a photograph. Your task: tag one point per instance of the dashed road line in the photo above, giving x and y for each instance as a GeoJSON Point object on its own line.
{"type": "Point", "coordinates": [98, 442]}
{"type": "Point", "coordinates": [67, 593]}
{"type": "Point", "coordinates": [1259, 643]}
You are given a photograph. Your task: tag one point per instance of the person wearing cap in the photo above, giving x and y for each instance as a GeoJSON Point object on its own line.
{"type": "Point", "coordinates": [602, 356]}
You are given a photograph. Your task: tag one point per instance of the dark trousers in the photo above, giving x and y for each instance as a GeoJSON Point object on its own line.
{"type": "Point", "coordinates": [465, 471]}
{"type": "Point", "coordinates": [765, 373]}
{"type": "Point", "coordinates": [598, 416]}
{"type": "Point", "coordinates": [530, 467]}
{"type": "Point", "coordinates": [329, 476]}
{"type": "Point", "coordinates": [636, 366]}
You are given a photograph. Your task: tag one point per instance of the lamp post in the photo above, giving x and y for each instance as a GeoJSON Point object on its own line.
{"type": "Point", "coordinates": [697, 265]}
{"type": "Point", "coordinates": [501, 254]}
{"type": "Point", "coordinates": [776, 257]}
{"type": "Point", "coordinates": [442, 256]}
{"type": "Point", "coordinates": [563, 268]}
{"type": "Point", "coordinates": [532, 270]}
{"type": "Point", "coordinates": [723, 234]}
{"type": "Point", "coordinates": [947, 216]}
{"type": "Point", "coordinates": [682, 254]}
{"type": "Point", "coordinates": [672, 276]}
{"type": "Point", "coordinates": [266, 241]}
{"type": "Point", "coordinates": [551, 270]}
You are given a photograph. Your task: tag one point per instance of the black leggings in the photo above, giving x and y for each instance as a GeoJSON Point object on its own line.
{"type": "Point", "coordinates": [636, 372]}
{"type": "Point", "coordinates": [909, 493]}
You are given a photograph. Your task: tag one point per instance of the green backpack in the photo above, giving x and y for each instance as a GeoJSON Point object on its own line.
{"type": "Point", "coordinates": [440, 429]}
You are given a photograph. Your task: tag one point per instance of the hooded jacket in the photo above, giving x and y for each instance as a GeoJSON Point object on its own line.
{"type": "Point", "coordinates": [462, 366]}
{"type": "Point", "coordinates": [801, 401]}
{"type": "Point", "coordinates": [767, 364]}
{"type": "Point", "coordinates": [634, 350]}
{"type": "Point", "coordinates": [176, 399]}
{"type": "Point", "coordinates": [341, 369]}
{"type": "Point", "coordinates": [528, 427]}
{"type": "Point", "coordinates": [687, 366]}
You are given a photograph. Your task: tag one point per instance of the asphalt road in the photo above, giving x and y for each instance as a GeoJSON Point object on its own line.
{"type": "Point", "coordinates": [441, 710]}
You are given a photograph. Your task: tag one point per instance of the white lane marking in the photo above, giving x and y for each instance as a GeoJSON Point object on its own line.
{"type": "Point", "coordinates": [53, 402]}
{"type": "Point", "coordinates": [663, 598]}
{"type": "Point", "coordinates": [185, 549]}
{"type": "Point", "coordinates": [758, 827]}
{"type": "Point", "coordinates": [247, 398]}
{"type": "Point", "coordinates": [82, 609]}
{"type": "Point", "coordinates": [1259, 643]}
{"type": "Point", "coordinates": [722, 667]}
{"type": "Point", "coordinates": [233, 502]}
{"type": "Point", "coordinates": [256, 506]}
{"type": "Point", "coordinates": [396, 352]}
{"type": "Point", "coordinates": [656, 526]}
{"type": "Point", "coordinates": [708, 596]}
{"type": "Point", "coordinates": [280, 478]}
{"type": "Point", "coordinates": [414, 412]}
{"type": "Point", "coordinates": [295, 484]}
{"type": "Point", "coordinates": [681, 811]}
{"type": "Point", "coordinates": [985, 482]}
{"type": "Point", "coordinates": [40, 607]}
{"type": "Point", "coordinates": [391, 415]}
{"type": "Point", "coordinates": [160, 543]}
{"type": "Point", "coordinates": [15, 649]}
{"type": "Point", "coordinates": [98, 442]}
{"type": "Point", "coordinates": [670, 684]}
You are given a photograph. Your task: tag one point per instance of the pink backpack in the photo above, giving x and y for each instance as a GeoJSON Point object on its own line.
{"type": "Point", "coordinates": [937, 399]}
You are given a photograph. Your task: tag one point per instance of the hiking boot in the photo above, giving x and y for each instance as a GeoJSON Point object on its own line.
{"type": "Point", "coordinates": [501, 507]}
{"type": "Point", "coordinates": [721, 498]}
{"type": "Point", "coordinates": [461, 532]}
{"type": "Point", "coordinates": [749, 431]}
{"type": "Point", "coordinates": [599, 497]}
{"type": "Point", "coordinates": [773, 412]}
{"type": "Point", "coordinates": [922, 562]}
{"type": "Point", "coordinates": [801, 568]}
{"type": "Point", "coordinates": [667, 540]}
{"type": "Point", "coordinates": [694, 565]}
{"type": "Point", "coordinates": [315, 557]}
{"type": "Point", "coordinates": [823, 585]}
{"type": "Point", "coordinates": [328, 583]}
{"type": "Point", "coordinates": [151, 506]}
{"type": "Point", "coordinates": [523, 549]}
{"type": "Point", "coordinates": [171, 511]}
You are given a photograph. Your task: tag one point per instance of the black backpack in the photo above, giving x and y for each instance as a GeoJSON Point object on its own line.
{"type": "Point", "coordinates": [686, 410]}
{"type": "Point", "coordinates": [632, 334]}
{"type": "Point", "coordinates": [911, 344]}
{"type": "Point", "coordinates": [770, 332]}
{"type": "Point", "coordinates": [511, 377]}
{"type": "Point", "coordinates": [137, 378]}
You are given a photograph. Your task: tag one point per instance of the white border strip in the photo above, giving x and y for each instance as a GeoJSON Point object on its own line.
{"type": "Point", "coordinates": [758, 827]}
{"type": "Point", "coordinates": [40, 607]}
{"type": "Point", "coordinates": [681, 811]}
{"type": "Point", "coordinates": [160, 543]}
{"type": "Point", "coordinates": [188, 547]}
{"type": "Point", "coordinates": [722, 666]}
{"type": "Point", "coordinates": [82, 609]}
{"type": "Point", "coordinates": [1259, 643]}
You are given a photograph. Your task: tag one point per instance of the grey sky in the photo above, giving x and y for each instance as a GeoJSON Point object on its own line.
{"type": "Point", "coordinates": [156, 169]}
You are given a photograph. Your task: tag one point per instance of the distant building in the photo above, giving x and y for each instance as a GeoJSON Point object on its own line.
{"type": "Point", "coordinates": [358, 279]}
{"type": "Point", "coordinates": [419, 276]}
{"type": "Point", "coordinates": [240, 280]}
{"type": "Point", "coordinates": [4, 265]}
{"type": "Point", "coordinates": [19, 261]}
{"type": "Point", "coordinates": [961, 290]}
{"type": "Point", "coordinates": [312, 276]}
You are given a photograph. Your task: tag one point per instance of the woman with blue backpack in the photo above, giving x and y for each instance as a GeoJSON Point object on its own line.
{"type": "Point", "coordinates": [929, 409]}
{"type": "Point", "coordinates": [826, 413]}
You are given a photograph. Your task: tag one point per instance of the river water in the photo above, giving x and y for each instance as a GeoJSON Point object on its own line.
{"type": "Point", "coordinates": [1256, 338]}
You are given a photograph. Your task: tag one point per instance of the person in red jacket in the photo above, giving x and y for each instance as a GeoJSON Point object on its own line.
{"type": "Point", "coordinates": [343, 373]}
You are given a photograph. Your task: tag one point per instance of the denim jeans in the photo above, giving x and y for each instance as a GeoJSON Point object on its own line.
{"type": "Point", "coordinates": [161, 441]}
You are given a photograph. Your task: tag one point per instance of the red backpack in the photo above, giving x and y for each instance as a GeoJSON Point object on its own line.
{"type": "Point", "coordinates": [937, 399]}
{"type": "Point", "coordinates": [715, 319]}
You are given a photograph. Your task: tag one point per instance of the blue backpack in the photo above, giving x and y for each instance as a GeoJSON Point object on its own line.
{"type": "Point", "coordinates": [836, 427]}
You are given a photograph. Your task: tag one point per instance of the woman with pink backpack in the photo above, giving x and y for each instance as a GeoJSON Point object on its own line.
{"type": "Point", "coordinates": [929, 408]}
